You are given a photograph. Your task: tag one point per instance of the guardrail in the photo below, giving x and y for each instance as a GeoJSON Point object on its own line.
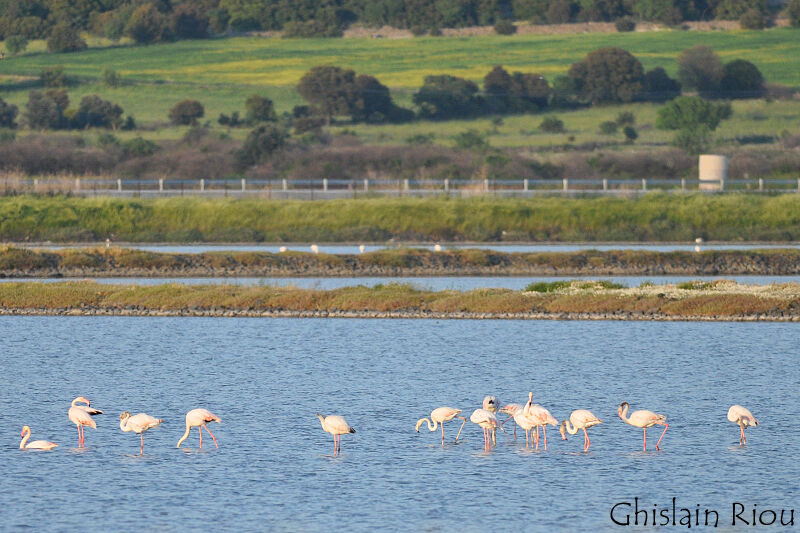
{"type": "Point", "coordinates": [313, 189]}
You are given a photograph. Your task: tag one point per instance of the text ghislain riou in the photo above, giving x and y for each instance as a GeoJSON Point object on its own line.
{"type": "Point", "coordinates": [627, 513]}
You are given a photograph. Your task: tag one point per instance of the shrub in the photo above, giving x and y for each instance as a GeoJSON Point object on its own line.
{"type": "Point", "coordinates": [8, 115]}
{"type": "Point", "coordinates": [188, 21]}
{"type": "Point", "coordinates": [259, 109]}
{"type": "Point", "coordinates": [625, 24]}
{"type": "Point", "coordinates": [262, 142]}
{"type": "Point", "coordinates": [139, 147]}
{"type": "Point", "coordinates": [608, 75]}
{"type": "Point", "coordinates": [688, 112]}
{"type": "Point", "coordinates": [418, 30]}
{"type": "Point", "coordinates": [626, 118]}
{"type": "Point", "coordinates": [752, 19]}
{"type": "Point", "coordinates": [700, 68]}
{"type": "Point", "coordinates": [793, 11]}
{"type": "Point", "coordinates": [693, 140]}
{"type": "Point", "coordinates": [147, 25]}
{"type": "Point", "coordinates": [53, 76]}
{"type": "Point", "coordinates": [96, 112]}
{"type": "Point", "coordinates": [471, 140]}
{"type": "Point", "coordinates": [742, 79]}
{"type": "Point", "coordinates": [445, 96]}
{"type": "Point", "coordinates": [111, 78]}
{"type": "Point", "coordinates": [186, 112]}
{"type": "Point", "coordinates": [505, 27]}
{"type": "Point", "coordinates": [421, 139]}
{"type": "Point", "coordinates": [630, 134]}
{"type": "Point", "coordinates": [65, 38]}
{"type": "Point", "coordinates": [310, 28]}
{"type": "Point", "coordinates": [548, 286]}
{"type": "Point", "coordinates": [608, 128]}
{"type": "Point", "coordinates": [43, 111]}
{"type": "Point", "coordinates": [659, 87]}
{"type": "Point", "coordinates": [552, 125]}
{"type": "Point", "coordinates": [16, 44]}
{"type": "Point", "coordinates": [435, 31]}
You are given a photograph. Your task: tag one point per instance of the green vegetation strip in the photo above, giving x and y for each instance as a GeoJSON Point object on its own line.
{"type": "Point", "coordinates": [18, 262]}
{"type": "Point", "coordinates": [653, 217]}
{"type": "Point", "coordinates": [579, 300]}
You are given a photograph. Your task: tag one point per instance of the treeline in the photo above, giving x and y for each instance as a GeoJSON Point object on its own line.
{"type": "Point", "coordinates": [163, 20]}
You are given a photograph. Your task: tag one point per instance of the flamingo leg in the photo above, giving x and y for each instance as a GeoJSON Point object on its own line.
{"type": "Point", "coordinates": [586, 441]}
{"type": "Point", "coordinates": [537, 438]}
{"type": "Point", "coordinates": [544, 429]}
{"type": "Point", "coordinates": [141, 447]}
{"type": "Point", "coordinates": [742, 438]}
{"type": "Point", "coordinates": [464, 421]}
{"type": "Point", "coordinates": [200, 429]}
{"type": "Point", "coordinates": [666, 427]}
{"type": "Point", "coordinates": [645, 439]}
{"type": "Point", "coordinates": [213, 437]}
{"type": "Point", "coordinates": [442, 434]}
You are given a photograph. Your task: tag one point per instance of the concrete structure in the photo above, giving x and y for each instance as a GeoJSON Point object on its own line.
{"type": "Point", "coordinates": [713, 171]}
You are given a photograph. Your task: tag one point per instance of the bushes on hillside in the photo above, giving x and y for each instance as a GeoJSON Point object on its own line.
{"type": "Point", "coordinates": [608, 75]}
{"type": "Point", "coordinates": [186, 112]}
{"type": "Point", "coordinates": [8, 115]}
{"type": "Point", "coordinates": [701, 69]}
{"type": "Point", "coordinates": [65, 38]}
{"type": "Point", "coordinates": [444, 97]}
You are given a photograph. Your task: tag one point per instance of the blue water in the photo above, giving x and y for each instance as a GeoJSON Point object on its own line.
{"type": "Point", "coordinates": [431, 283]}
{"type": "Point", "coordinates": [266, 378]}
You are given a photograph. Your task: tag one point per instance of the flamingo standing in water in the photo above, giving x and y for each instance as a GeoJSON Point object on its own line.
{"type": "Point", "coordinates": [527, 423]}
{"type": "Point", "coordinates": [579, 419]}
{"type": "Point", "coordinates": [485, 419]}
{"type": "Point", "coordinates": [337, 426]}
{"type": "Point", "coordinates": [440, 415]}
{"type": "Point", "coordinates": [199, 418]}
{"type": "Point", "coordinates": [541, 417]}
{"type": "Point", "coordinates": [510, 409]}
{"type": "Point", "coordinates": [138, 424]}
{"type": "Point", "coordinates": [743, 418]}
{"type": "Point", "coordinates": [81, 415]}
{"type": "Point", "coordinates": [35, 445]}
{"type": "Point", "coordinates": [643, 419]}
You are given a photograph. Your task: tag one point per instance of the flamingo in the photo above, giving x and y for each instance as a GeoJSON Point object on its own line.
{"type": "Point", "coordinates": [510, 409]}
{"type": "Point", "coordinates": [579, 419]}
{"type": "Point", "coordinates": [81, 415]}
{"type": "Point", "coordinates": [440, 415]}
{"type": "Point", "coordinates": [35, 445]}
{"type": "Point", "coordinates": [744, 418]}
{"type": "Point", "coordinates": [337, 426]}
{"type": "Point", "coordinates": [527, 423]}
{"type": "Point", "coordinates": [485, 419]}
{"type": "Point", "coordinates": [138, 424]}
{"type": "Point", "coordinates": [541, 417]}
{"type": "Point", "coordinates": [199, 418]}
{"type": "Point", "coordinates": [643, 419]}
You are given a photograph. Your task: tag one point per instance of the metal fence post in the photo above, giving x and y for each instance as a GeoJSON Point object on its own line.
{"type": "Point", "coordinates": [202, 185]}
{"type": "Point", "coordinates": [644, 184]}
{"type": "Point", "coordinates": [77, 185]}
{"type": "Point", "coordinates": [565, 184]}
{"type": "Point", "coordinates": [160, 184]}
{"type": "Point", "coordinates": [324, 184]}
{"type": "Point", "coordinates": [761, 184]}
{"type": "Point", "coordinates": [486, 185]}
{"type": "Point", "coordinates": [244, 185]}
{"type": "Point", "coordinates": [447, 185]}
{"type": "Point", "coordinates": [605, 184]}
{"type": "Point", "coordinates": [525, 184]}
{"type": "Point", "coordinates": [285, 184]}
{"type": "Point", "coordinates": [119, 185]}
{"type": "Point", "coordinates": [405, 184]}
{"type": "Point", "coordinates": [683, 184]}
{"type": "Point", "coordinates": [366, 185]}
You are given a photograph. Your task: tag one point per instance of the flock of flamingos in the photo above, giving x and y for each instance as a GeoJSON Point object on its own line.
{"type": "Point", "coordinates": [529, 417]}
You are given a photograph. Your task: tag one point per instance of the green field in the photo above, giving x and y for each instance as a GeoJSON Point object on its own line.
{"type": "Point", "coordinates": [653, 217]}
{"type": "Point", "coordinates": [223, 72]}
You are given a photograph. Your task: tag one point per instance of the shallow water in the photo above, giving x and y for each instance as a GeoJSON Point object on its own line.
{"type": "Point", "coordinates": [507, 248]}
{"type": "Point", "coordinates": [274, 471]}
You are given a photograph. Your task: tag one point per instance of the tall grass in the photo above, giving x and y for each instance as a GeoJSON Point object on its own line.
{"type": "Point", "coordinates": [654, 217]}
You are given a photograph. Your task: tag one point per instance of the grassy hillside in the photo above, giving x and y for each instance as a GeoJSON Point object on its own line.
{"type": "Point", "coordinates": [653, 217]}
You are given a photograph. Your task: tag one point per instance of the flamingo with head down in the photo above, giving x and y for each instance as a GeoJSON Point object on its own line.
{"type": "Point", "coordinates": [81, 415]}
{"type": "Point", "coordinates": [138, 424]}
{"type": "Point", "coordinates": [579, 419]}
{"type": "Point", "coordinates": [440, 415]}
{"type": "Point", "coordinates": [743, 418]}
{"type": "Point", "coordinates": [510, 409]}
{"type": "Point", "coordinates": [35, 445]}
{"type": "Point", "coordinates": [486, 420]}
{"type": "Point", "coordinates": [199, 418]}
{"type": "Point", "coordinates": [643, 419]}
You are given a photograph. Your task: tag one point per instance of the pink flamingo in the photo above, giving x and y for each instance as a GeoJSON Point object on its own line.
{"type": "Point", "coordinates": [541, 417]}
{"type": "Point", "coordinates": [81, 415]}
{"type": "Point", "coordinates": [199, 418]}
{"type": "Point", "coordinates": [337, 426]}
{"type": "Point", "coordinates": [579, 419]}
{"type": "Point", "coordinates": [440, 415]}
{"type": "Point", "coordinates": [485, 419]}
{"type": "Point", "coordinates": [522, 420]}
{"type": "Point", "coordinates": [643, 419]}
{"type": "Point", "coordinates": [510, 409]}
{"type": "Point", "coordinates": [744, 418]}
{"type": "Point", "coordinates": [35, 445]}
{"type": "Point", "coordinates": [138, 424]}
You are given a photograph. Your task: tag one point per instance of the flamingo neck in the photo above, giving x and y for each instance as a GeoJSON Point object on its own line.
{"type": "Point", "coordinates": [123, 425]}
{"type": "Point", "coordinates": [572, 430]}
{"type": "Point", "coordinates": [623, 414]}
{"type": "Point", "coordinates": [76, 401]}
{"type": "Point", "coordinates": [431, 427]}
{"type": "Point", "coordinates": [25, 438]}
{"type": "Point", "coordinates": [186, 435]}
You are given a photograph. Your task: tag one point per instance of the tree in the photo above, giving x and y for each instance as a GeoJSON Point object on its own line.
{"type": "Point", "coordinates": [532, 88]}
{"type": "Point", "coordinates": [445, 96]}
{"type": "Point", "coordinates": [259, 109]}
{"type": "Point", "coordinates": [752, 19]}
{"type": "Point", "coordinates": [659, 87]}
{"type": "Point", "coordinates": [560, 11]}
{"type": "Point", "coordinates": [734, 9]}
{"type": "Point", "coordinates": [687, 112]}
{"type": "Point", "coordinates": [497, 86]}
{"type": "Point", "coordinates": [16, 44]}
{"type": "Point", "coordinates": [701, 69]}
{"type": "Point", "coordinates": [8, 114]}
{"type": "Point", "coordinates": [552, 125]}
{"type": "Point", "coordinates": [742, 79]}
{"type": "Point", "coordinates": [53, 76]}
{"type": "Point", "coordinates": [504, 27]}
{"type": "Point", "coordinates": [43, 112]}
{"type": "Point", "coordinates": [372, 101]}
{"type": "Point", "coordinates": [262, 142]}
{"type": "Point", "coordinates": [329, 89]}
{"type": "Point", "coordinates": [65, 38]}
{"type": "Point", "coordinates": [147, 25]}
{"type": "Point", "coordinates": [793, 11]}
{"type": "Point", "coordinates": [188, 21]}
{"type": "Point", "coordinates": [186, 112]}
{"type": "Point", "coordinates": [608, 75]}
{"type": "Point", "coordinates": [96, 112]}
{"type": "Point", "coordinates": [111, 77]}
